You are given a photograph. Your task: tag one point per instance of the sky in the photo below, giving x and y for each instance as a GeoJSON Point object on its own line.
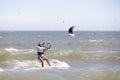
{"type": "Point", "coordinates": [60, 15]}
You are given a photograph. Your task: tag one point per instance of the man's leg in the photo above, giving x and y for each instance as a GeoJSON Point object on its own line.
{"type": "Point", "coordinates": [48, 62]}
{"type": "Point", "coordinates": [42, 61]}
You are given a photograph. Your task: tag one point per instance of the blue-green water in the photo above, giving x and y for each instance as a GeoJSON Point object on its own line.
{"type": "Point", "coordinates": [84, 40]}
{"type": "Point", "coordinates": [90, 55]}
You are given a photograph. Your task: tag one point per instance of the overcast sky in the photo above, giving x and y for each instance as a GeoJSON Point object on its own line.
{"type": "Point", "coordinates": [59, 14]}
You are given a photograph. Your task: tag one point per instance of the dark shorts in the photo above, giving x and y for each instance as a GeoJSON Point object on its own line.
{"type": "Point", "coordinates": [39, 53]}
{"type": "Point", "coordinates": [41, 56]}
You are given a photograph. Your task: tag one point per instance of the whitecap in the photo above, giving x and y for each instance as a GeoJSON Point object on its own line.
{"type": "Point", "coordinates": [11, 49]}
{"type": "Point", "coordinates": [100, 40]}
{"type": "Point", "coordinates": [35, 65]}
{"type": "Point", "coordinates": [1, 70]}
{"type": "Point", "coordinates": [92, 40]}
{"type": "Point", "coordinates": [0, 36]}
{"type": "Point", "coordinates": [59, 64]}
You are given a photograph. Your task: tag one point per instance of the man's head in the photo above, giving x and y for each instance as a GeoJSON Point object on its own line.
{"type": "Point", "coordinates": [39, 44]}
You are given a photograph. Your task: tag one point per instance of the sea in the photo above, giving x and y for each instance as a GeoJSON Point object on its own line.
{"type": "Point", "coordinates": [89, 55]}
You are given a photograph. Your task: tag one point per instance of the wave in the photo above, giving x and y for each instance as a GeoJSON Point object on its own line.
{"type": "Point", "coordinates": [0, 37]}
{"type": "Point", "coordinates": [28, 65]}
{"type": "Point", "coordinates": [13, 53]}
{"type": "Point", "coordinates": [4, 44]}
{"type": "Point", "coordinates": [101, 75]}
{"type": "Point", "coordinates": [30, 54]}
{"type": "Point", "coordinates": [16, 50]}
{"type": "Point", "coordinates": [94, 40]}
{"type": "Point", "coordinates": [11, 49]}
{"type": "Point", "coordinates": [85, 55]}
{"type": "Point", "coordinates": [1, 70]}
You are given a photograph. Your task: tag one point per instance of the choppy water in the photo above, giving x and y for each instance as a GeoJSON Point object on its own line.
{"type": "Point", "coordinates": [87, 56]}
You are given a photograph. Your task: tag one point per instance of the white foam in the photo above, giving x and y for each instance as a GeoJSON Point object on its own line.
{"type": "Point", "coordinates": [59, 64]}
{"type": "Point", "coordinates": [16, 50]}
{"type": "Point", "coordinates": [72, 35]}
{"type": "Point", "coordinates": [11, 49]}
{"type": "Point", "coordinates": [1, 70]}
{"type": "Point", "coordinates": [0, 36]}
{"type": "Point", "coordinates": [92, 40]}
{"type": "Point", "coordinates": [35, 65]}
{"type": "Point", "coordinates": [96, 40]}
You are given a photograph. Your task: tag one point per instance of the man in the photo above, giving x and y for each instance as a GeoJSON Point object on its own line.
{"type": "Point", "coordinates": [40, 52]}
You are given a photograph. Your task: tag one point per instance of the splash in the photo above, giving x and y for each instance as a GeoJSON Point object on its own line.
{"type": "Point", "coordinates": [28, 65]}
{"type": "Point", "coordinates": [11, 49]}
{"type": "Point", "coordinates": [1, 70]}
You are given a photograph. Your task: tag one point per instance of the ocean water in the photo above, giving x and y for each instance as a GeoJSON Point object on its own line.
{"type": "Point", "coordinates": [90, 55]}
